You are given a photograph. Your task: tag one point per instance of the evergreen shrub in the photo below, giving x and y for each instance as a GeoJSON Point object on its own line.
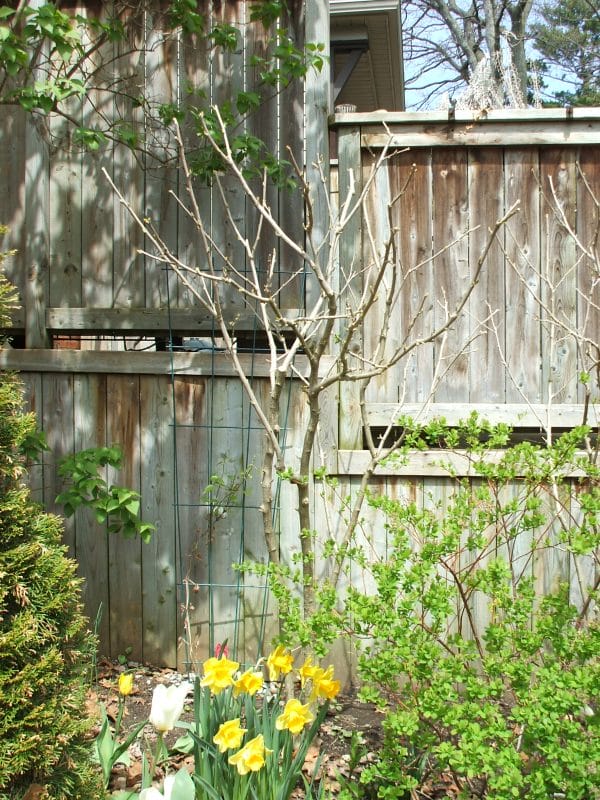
{"type": "Point", "coordinates": [45, 645]}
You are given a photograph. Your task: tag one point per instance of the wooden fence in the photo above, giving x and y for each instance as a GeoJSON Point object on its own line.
{"type": "Point", "coordinates": [182, 417]}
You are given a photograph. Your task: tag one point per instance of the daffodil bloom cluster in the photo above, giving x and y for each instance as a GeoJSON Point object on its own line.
{"type": "Point", "coordinates": [221, 674]}
{"type": "Point", "coordinates": [279, 663]}
{"type": "Point", "coordinates": [248, 683]}
{"type": "Point", "coordinates": [247, 739]}
{"type": "Point", "coordinates": [323, 684]}
{"type": "Point", "coordinates": [229, 736]}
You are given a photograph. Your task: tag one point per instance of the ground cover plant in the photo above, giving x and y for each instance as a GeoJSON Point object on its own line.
{"type": "Point", "coordinates": [477, 629]}
{"type": "Point", "coordinates": [45, 646]}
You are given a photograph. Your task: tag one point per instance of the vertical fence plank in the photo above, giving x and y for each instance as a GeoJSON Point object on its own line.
{"type": "Point", "coordinates": [97, 198]}
{"type": "Point", "coordinates": [264, 124]}
{"type": "Point", "coordinates": [413, 217]}
{"type": "Point", "coordinates": [159, 590]}
{"type": "Point", "coordinates": [124, 576]}
{"type": "Point", "coordinates": [450, 221]}
{"type": "Point", "coordinates": [65, 216]}
{"type": "Point", "coordinates": [350, 277]}
{"type": "Point", "coordinates": [588, 277]}
{"type": "Point", "coordinates": [195, 75]}
{"type": "Point", "coordinates": [488, 302]}
{"type": "Point", "coordinates": [36, 244]}
{"type": "Point", "coordinates": [226, 530]}
{"type": "Point", "coordinates": [228, 221]}
{"type": "Point", "coordinates": [522, 353]}
{"type": "Point", "coordinates": [12, 201]}
{"type": "Point", "coordinates": [129, 284]}
{"type": "Point", "coordinates": [255, 627]}
{"type": "Point", "coordinates": [161, 71]}
{"type": "Point", "coordinates": [377, 212]}
{"type": "Point", "coordinates": [551, 560]}
{"type": "Point", "coordinates": [57, 422]}
{"type": "Point", "coordinates": [559, 274]}
{"type": "Point", "coordinates": [290, 117]}
{"type": "Point", "coordinates": [90, 409]}
{"type": "Point", "coordinates": [316, 108]}
{"type": "Point", "coordinates": [191, 445]}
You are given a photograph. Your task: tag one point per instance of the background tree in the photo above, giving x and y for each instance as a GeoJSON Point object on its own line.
{"type": "Point", "coordinates": [446, 41]}
{"type": "Point", "coordinates": [567, 36]}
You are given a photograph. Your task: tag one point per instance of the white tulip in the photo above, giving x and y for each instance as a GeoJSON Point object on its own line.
{"type": "Point", "coordinates": [153, 794]}
{"type": "Point", "coordinates": [167, 706]}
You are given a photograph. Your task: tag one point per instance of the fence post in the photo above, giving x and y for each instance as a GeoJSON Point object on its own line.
{"type": "Point", "coordinates": [316, 99]}
{"type": "Point", "coordinates": [350, 261]}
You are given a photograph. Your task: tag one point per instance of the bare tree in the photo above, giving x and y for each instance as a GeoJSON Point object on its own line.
{"type": "Point", "coordinates": [327, 332]}
{"type": "Point", "coordinates": [446, 40]}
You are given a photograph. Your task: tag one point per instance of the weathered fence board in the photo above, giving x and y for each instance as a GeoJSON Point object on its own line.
{"type": "Point", "coordinates": [523, 284]}
{"type": "Point", "coordinates": [516, 339]}
{"type": "Point", "coordinates": [91, 542]}
{"type": "Point", "coordinates": [486, 206]}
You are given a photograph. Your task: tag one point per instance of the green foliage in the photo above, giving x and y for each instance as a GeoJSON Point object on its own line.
{"type": "Point", "coordinates": [44, 643]}
{"type": "Point", "coordinates": [44, 50]}
{"type": "Point", "coordinates": [184, 14]}
{"type": "Point", "coordinates": [469, 639]}
{"type": "Point", "coordinates": [116, 506]}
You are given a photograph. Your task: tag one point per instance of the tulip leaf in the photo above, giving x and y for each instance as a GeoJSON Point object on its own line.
{"type": "Point", "coordinates": [185, 744]}
{"type": "Point", "coordinates": [206, 787]}
{"type": "Point", "coordinates": [122, 748]}
{"type": "Point", "coordinates": [105, 747]}
{"type": "Point", "coordinates": [183, 786]}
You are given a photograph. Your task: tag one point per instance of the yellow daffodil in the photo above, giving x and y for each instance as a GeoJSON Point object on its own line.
{"type": "Point", "coordinates": [280, 662]}
{"type": "Point", "coordinates": [307, 671]}
{"type": "Point", "coordinates": [251, 757]}
{"type": "Point", "coordinates": [248, 683]}
{"type": "Point", "coordinates": [125, 683]}
{"type": "Point", "coordinates": [229, 736]}
{"type": "Point", "coordinates": [323, 684]}
{"type": "Point", "coordinates": [294, 717]}
{"type": "Point", "coordinates": [218, 674]}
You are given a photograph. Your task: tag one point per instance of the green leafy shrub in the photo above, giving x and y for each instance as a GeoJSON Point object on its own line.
{"type": "Point", "coordinates": [477, 632]}
{"type": "Point", "coordinates": [485, 683]}
{"type": "Point", "coordinates": [44, 643]}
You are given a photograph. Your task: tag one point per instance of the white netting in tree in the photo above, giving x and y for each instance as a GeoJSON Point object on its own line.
{"type": "Point", "coordinates": [493, 84]}
{"type": "Point", "coordinates": [483, 90]}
